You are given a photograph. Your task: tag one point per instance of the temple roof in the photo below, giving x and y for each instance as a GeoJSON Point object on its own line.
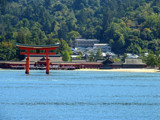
{"type": "Point", "coordinates": [133, 61]}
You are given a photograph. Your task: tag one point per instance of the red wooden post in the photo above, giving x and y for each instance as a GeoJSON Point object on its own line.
{"type": "Point", "coordinates": [100, 66]}
{"type": "Point", "coordinates": [47, 62]}
{"type": "Point", "coordinates": [27, 63]}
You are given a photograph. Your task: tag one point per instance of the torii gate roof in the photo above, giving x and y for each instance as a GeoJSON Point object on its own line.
{"type": "Point", "coordinates": [37, 46]}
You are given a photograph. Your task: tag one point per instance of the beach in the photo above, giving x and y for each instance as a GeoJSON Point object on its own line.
{"type": "Point", "coordinates": [114, 70]}
{"type": "Point", "coordinates": [122, 70]}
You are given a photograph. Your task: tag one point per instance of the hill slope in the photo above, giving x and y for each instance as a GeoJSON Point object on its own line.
{"type": "Point", "coordinates": [127, 25]}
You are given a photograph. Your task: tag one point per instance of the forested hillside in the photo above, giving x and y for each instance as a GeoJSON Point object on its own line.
{"type": "Point", "coordinates": [127, 25]}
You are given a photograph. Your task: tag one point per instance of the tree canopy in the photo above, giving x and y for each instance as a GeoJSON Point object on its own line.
{"type": "Point", "coordinates": [127, 25]}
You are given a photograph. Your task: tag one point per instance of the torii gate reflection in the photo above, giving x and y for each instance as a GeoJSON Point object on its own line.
{"type": "Point", "coordinates": [37, 50]}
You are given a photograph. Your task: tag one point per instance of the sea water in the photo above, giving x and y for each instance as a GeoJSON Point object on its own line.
{"type": "Point", "coordinates": [79, 95]}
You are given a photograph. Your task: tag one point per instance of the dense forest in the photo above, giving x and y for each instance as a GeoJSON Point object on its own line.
{"type": "Point", "coordinates": [127, 25]}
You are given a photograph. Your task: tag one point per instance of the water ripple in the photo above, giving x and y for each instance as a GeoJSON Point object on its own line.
{"type": "Point", "coordinates": [96, 85]}
{"type": "Point", "coordinates": [80, 103]}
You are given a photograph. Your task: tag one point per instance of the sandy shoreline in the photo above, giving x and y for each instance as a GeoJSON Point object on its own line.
{"type": "Point", "coordinates": [121, 70]}
{"type": "Point", "coordinates": [114, 70]}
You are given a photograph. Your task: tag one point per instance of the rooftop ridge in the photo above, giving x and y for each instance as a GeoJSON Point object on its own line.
{"type": "Point", "coordinates": [19, 44]}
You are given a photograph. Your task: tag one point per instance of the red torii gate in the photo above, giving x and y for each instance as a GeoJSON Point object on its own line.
{"type": "Point", "coordinates": [37, 50]}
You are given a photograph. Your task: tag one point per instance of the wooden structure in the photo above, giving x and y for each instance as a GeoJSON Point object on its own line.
{"type": "Point", "coordinates": [129, 63]}
{"type": "Point", "coordinates": [37, 50]}
{"type": "Point", "coordinates": [134, 63]}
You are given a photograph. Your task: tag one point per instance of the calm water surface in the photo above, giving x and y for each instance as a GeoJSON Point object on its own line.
{"type": "Point", "coordinates": [79, 95]}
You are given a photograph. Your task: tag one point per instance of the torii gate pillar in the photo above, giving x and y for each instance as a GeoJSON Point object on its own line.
{"type": "Point", "coordinates": [47, 63]}
{"type": "Point", "coordinates": [27, 64]}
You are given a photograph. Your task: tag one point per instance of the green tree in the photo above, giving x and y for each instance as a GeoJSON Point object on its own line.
{"type": "Point", "coordinates": [124, 57]}
{"type": "Point", "coordinates": [64, 47]}
{"type": "Point", "coordinates": [91, 57]}
{"type": "Point", "coordinates": [99, 54]}
{"type": "Point", "coordinates": [51, 40]}
{"type": "Point", "coordinates": [72, 35]}
{"type": "Point", "coordinates": [116, 59]}
{"type": "Point", "coordinates": [152, 60]}
{"type": "Point", "coordinates": [135, 49]}
{"type": "Point", "coordinates": [7, 51]}
{"type": "Point", "coordinates": [65, 50]}
{"type": "Point", "coordinates": [47, 3]}
{"type": "Point", "coordinates": [21, 37]}
{"type": "Point", "coordinates": [66, 56]}
{"type": "Point", "coordinates": [23, 23]}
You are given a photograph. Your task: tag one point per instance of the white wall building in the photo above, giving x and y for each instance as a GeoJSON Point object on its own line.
{"type": "Point", "coordinates": [104, 47]}
{"type": "Point", "coordinates": [79, 42]}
